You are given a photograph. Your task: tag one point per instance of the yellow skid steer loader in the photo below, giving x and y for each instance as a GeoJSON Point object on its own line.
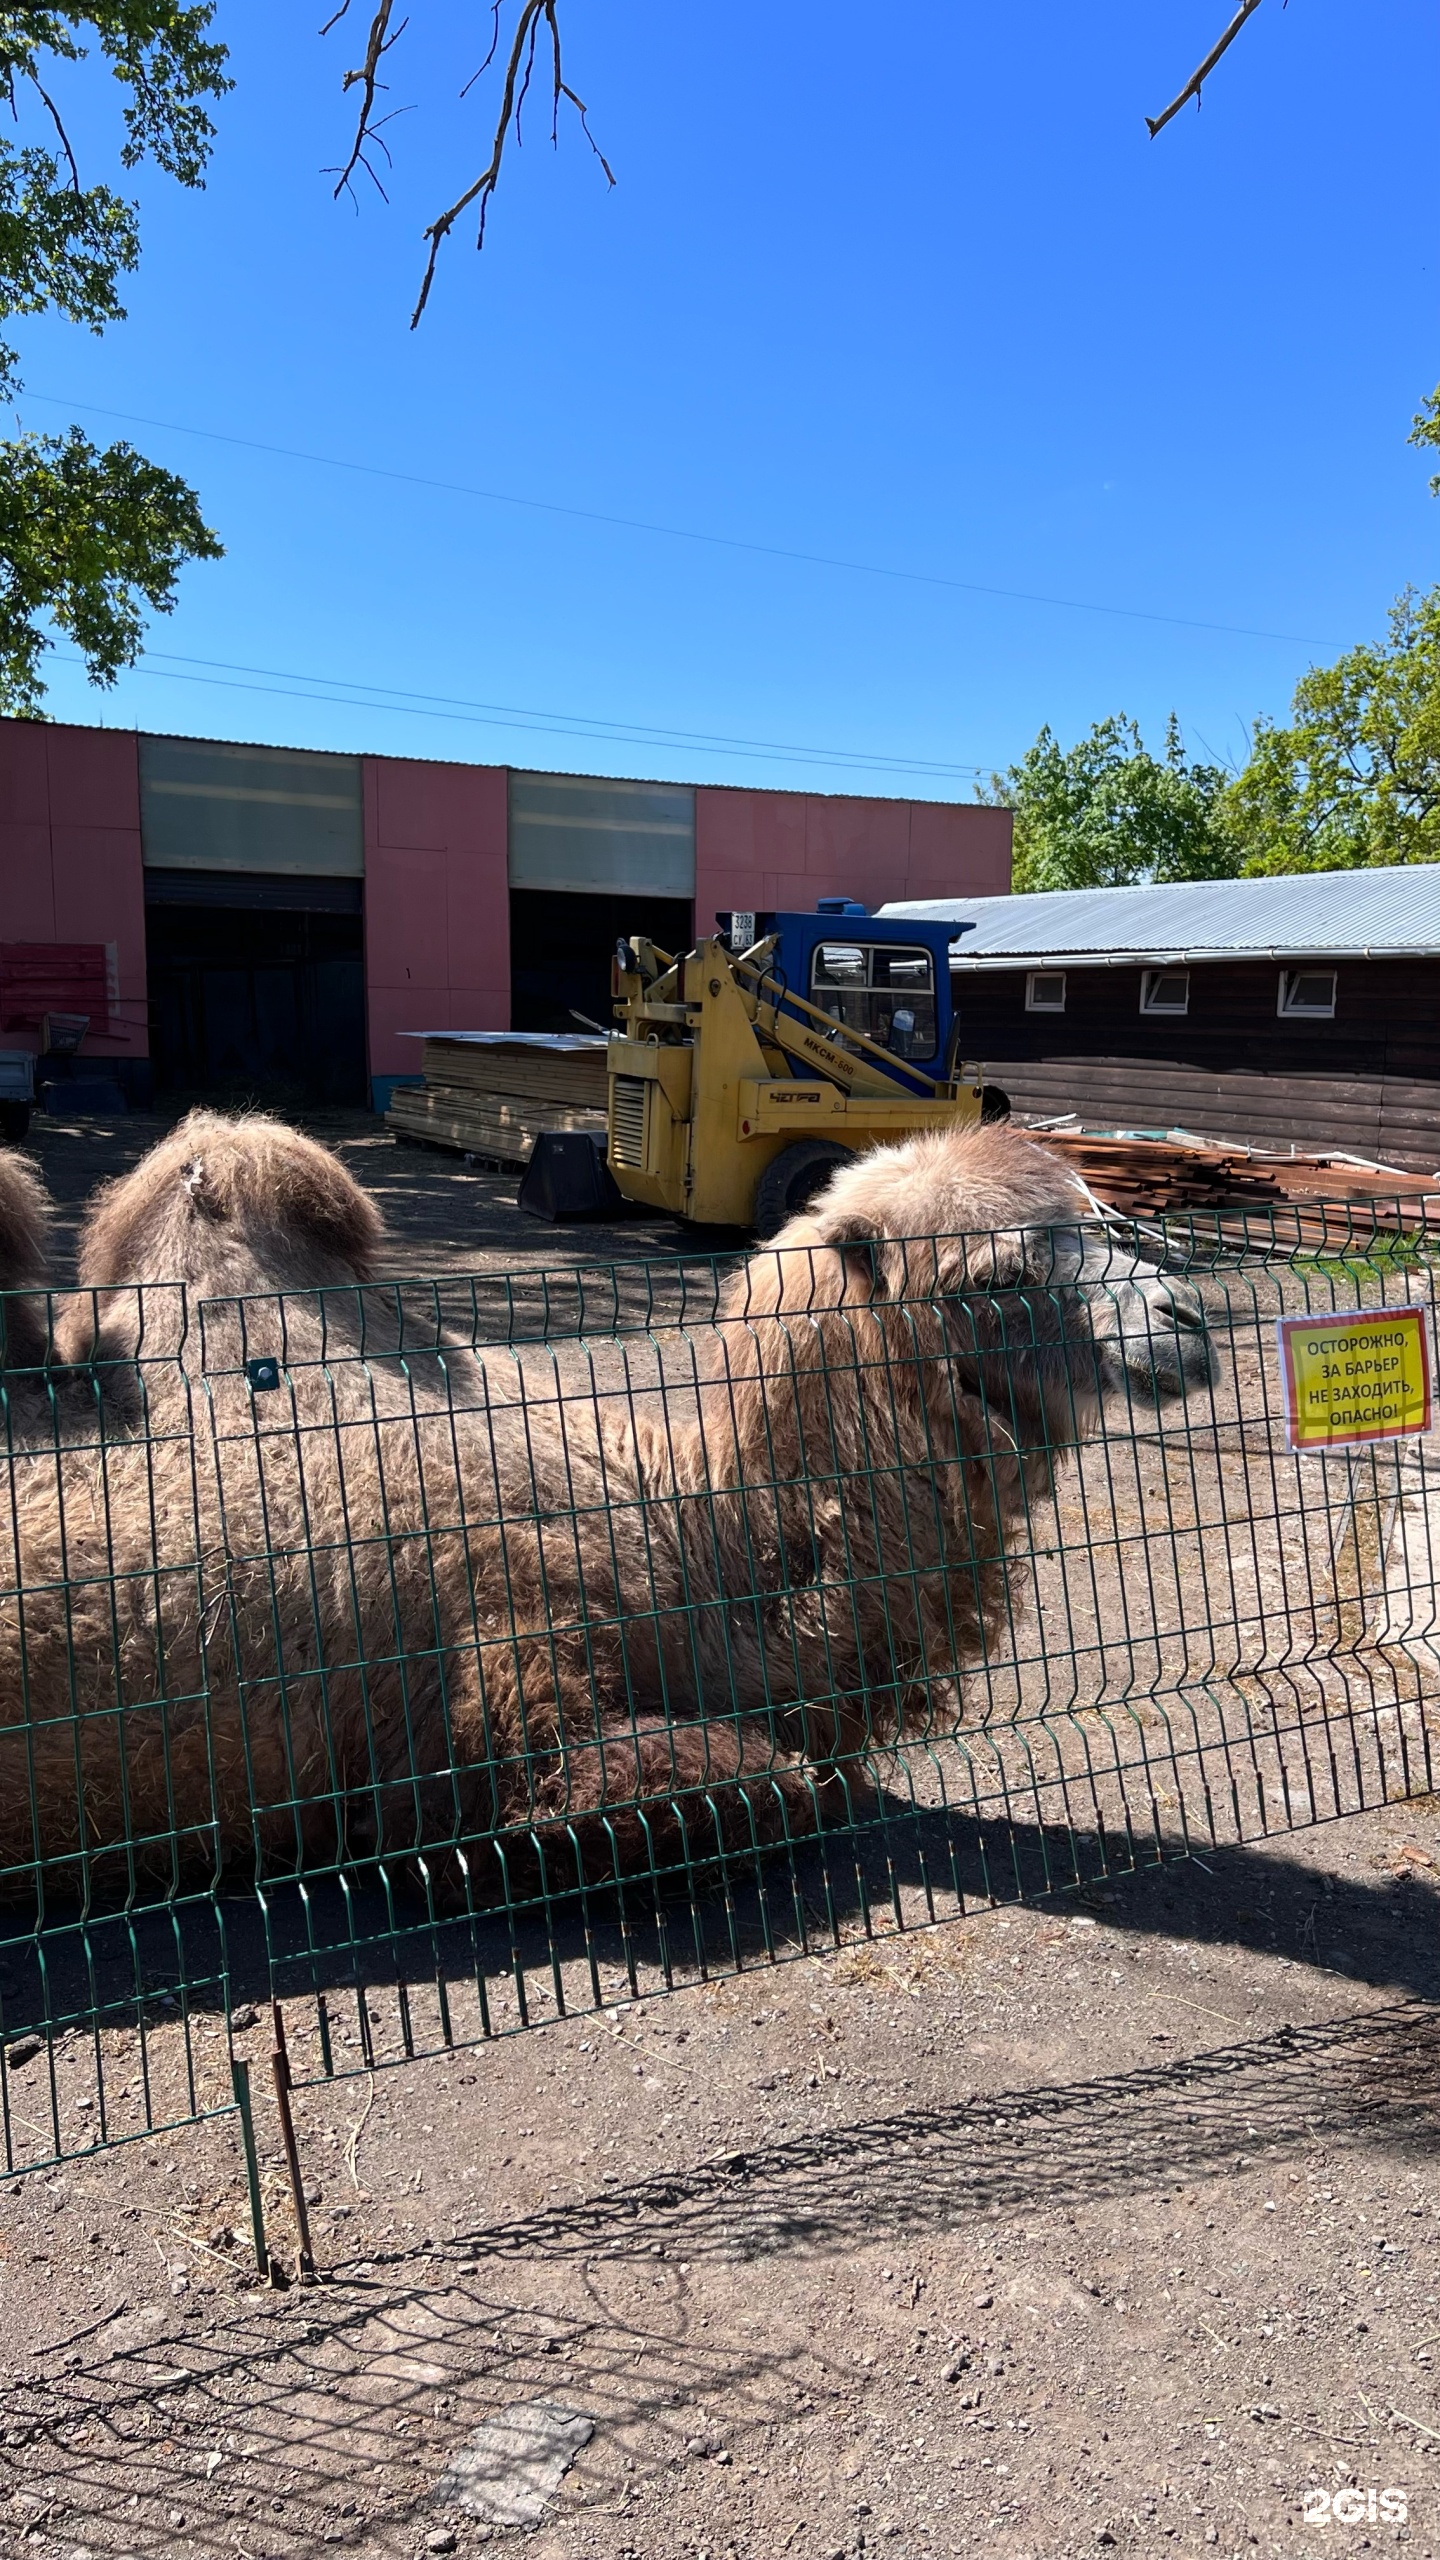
{"type": "Point", "coordinates": [746, 1070]}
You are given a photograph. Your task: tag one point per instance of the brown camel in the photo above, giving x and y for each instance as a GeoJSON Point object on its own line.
{"type": "Point", "coordinates": [884, 1398]}
{"type": "Point", "coordinates": [401, 1602]}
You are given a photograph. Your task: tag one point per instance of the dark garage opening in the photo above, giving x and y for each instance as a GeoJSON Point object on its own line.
{"type": "Point", "coordinates": [561, 947]}
{"type": "Point", "coordinates": [257, 986]}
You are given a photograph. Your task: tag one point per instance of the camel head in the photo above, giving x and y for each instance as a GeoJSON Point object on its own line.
{"type": "Point", "coordinates": [1000, 1235]}
{"type": "Point", "coordinates": [232, 1205]}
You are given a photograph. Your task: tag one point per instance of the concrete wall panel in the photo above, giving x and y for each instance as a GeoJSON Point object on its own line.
{"type": "Point", "coordinates": [962, 849]}
{"type": "Point", "coordinates": [437, 905]}
{"type": "Point", "coordinates": [783, 849]}
{"type": "Point", "coordinates": [27, 886]}
{"type": "Point", "coordinates": [70, 859]}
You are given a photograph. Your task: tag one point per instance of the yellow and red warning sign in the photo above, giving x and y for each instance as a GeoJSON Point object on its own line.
{"type": "Point", "coordinates": [1355, 1377]}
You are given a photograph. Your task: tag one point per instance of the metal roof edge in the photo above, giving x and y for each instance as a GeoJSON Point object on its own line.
{"type": "Point", "coordinates": [962, 958]}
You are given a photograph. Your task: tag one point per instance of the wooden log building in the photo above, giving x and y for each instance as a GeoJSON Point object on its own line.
{"type": "Point", "coordinates": [1298, 1011]}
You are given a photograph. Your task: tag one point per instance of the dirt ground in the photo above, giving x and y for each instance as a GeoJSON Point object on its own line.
{"type": "Point", "coordinates": [1108, 2226]}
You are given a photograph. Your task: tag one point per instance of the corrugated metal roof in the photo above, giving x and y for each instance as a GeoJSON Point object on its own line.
{"type": "Point", "coordinates": [1311, 915]}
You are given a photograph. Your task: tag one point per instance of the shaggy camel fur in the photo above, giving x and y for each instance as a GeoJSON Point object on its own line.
{"type": "Point", "coordinates": [336, 1617]}
{"type": "Point", "coordinates": [25, 1214]}
{"type": "Point", "coordinates": [403, 1601]}
{"type": "Point", "coordinates": [883, 1401]}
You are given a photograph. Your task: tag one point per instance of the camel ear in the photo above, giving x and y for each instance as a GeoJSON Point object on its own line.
{"type": "Point", "coordinates": [865, 1257]}
{"type": "Point", "coordinates": [897, 1268]}
{"type": "Point", "coordinates": [866, 1253]}
{"type": "Point", "coordinates": [987, 1260]}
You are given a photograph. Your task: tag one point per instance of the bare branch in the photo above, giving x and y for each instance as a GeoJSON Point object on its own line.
{"type": "Point", "coordinates": [38, 85]}
{"type": "Point", "coordinates": [1197, 79]}
{"type": "Point", "coordinates": [533, 19]}
{"type": "Point", "coordinates": [533, 14]}
{"type": "Point", "coordinates": [523, 91]}
{"type": "Point", "coordinates": [490, 56]}
{"type": "Point", "coordinates": [367, 80]}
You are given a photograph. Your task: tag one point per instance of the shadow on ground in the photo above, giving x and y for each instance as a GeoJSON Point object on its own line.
{"type": "Point", "coordinates": [310, 2391]}
{"type": "Point", "coordinates": [327, 1936]}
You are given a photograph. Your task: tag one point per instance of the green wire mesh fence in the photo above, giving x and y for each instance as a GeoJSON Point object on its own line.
{"type": "Point", "coordinates": [442, 1658]}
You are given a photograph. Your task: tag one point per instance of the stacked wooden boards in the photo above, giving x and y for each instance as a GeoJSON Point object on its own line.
{"type": "Point", "coordinates": [1313, 1203]}
{"type": "Point", "coordinates": [490, 1093]}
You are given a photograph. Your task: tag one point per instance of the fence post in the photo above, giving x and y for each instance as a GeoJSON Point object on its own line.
{"type": "Point", "coordinates": [240, 2079]}
{"type": "Point", "coordinates": [280, 2065]}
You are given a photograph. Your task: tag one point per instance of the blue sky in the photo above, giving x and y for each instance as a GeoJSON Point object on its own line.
{"type": "Point", "coordinates": [910, 289]}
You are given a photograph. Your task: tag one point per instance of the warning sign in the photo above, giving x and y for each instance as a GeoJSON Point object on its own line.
{"type": "Point", "coordinates": [1355, 1377]}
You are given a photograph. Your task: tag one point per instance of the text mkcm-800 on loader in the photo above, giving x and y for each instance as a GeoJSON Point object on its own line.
{"type": "Point", "coordinates": [742, 1076]}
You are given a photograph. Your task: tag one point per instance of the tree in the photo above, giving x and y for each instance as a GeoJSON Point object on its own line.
{"type": "Point", "coordinates": [1354, 779]}
{"type": "Point", "coordinates": [1106, 814]}
{"type": "Point", "coordinates": [90, 537]}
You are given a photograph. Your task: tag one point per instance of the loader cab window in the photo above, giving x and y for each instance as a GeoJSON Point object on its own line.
{"type": "Point", "coordinates": [881, 989]}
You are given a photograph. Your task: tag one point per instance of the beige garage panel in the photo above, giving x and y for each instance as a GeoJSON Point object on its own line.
{"type": "Point", "coordinates": [572, 832]}
{"type": "Point", "coordinates": [207, 806]}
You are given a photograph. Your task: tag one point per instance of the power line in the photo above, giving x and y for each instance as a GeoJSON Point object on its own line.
{"type": "Point", "coordinates": [297, 686]}
{"type": "Point", "coordinates": [672, 532]}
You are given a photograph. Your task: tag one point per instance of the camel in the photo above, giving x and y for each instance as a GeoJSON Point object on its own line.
{"type": "Point", "coordinates": [405, 1603]}
{"type": "Point", "coordinates": [883, 1400]}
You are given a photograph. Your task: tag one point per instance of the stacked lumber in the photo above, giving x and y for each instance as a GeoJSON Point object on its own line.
{"type": "Point", "coordinates": [1309, 1203]}
{"type": "Point", "coordinates": [490, 1093]}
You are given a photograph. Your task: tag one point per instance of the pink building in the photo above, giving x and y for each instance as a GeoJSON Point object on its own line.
{"type": "Point", "coordinates": [280, 919]}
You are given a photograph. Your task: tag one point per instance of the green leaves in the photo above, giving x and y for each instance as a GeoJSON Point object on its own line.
{"type": "Point", "coordinates": [1426, 429]}
{"type": "Point", "coordinates": [1354, 778]}
{"type": "Point", "coordinates": [1105, 813]}
{"type": "Point", "coordinates": [161, 56]}
{"type": "Point", "coordinates": [88, 539]}
{"type": "Point", "coordinates": [61, 248]}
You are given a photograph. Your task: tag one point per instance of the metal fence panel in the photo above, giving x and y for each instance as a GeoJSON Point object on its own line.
{"type": "Point", "coordinates": [445, 1657]}
{"type": "Point", "coordinates": [110, 1869]}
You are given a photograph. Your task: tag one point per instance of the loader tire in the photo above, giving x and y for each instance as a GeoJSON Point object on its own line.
{"type": "Point", "coordinates": [791, 1180]}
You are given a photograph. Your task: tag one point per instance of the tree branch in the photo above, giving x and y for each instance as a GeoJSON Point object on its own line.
{"type": "Point", "coordinates": [534, 20]}
{"type": "Point", "coordinates": [53, 111]}
{"type": "Point", "coordinates": [1197, 79]}
{"type": "Point", "coordinates": [367, 80]}
{"type": "Point", "coordinates": [518, 67]}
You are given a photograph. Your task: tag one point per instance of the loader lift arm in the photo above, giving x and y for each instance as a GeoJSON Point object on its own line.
{"type": "Point", "coordinates": [724, 1066]}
